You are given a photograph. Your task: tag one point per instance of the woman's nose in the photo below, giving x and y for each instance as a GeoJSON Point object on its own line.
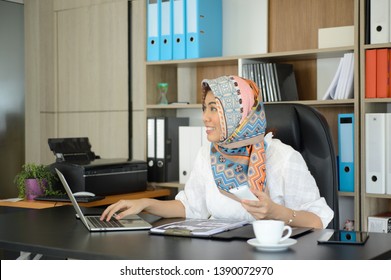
{"type": "Point", "coordinates": [205, 117]}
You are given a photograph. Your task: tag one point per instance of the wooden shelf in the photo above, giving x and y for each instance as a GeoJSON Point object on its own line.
{"type": "Point", "coordinates": [275, 56]}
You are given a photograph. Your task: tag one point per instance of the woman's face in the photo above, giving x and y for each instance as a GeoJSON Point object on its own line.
{"type": "Point", "coordinates": [211, 119]}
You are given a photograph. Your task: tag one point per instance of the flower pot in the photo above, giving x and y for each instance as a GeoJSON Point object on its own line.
{"type": "Point", "coordinates": [34, 189]}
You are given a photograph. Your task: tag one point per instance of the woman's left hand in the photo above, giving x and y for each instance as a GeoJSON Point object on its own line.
{"type": "Point", "coordinates": [263, 208]}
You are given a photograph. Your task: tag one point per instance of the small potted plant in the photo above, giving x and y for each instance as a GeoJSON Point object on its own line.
{"type": "Point", "coordinates": [34, 180]}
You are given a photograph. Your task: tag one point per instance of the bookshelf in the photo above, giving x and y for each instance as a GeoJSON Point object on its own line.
{"type": "Point", "coordinates": [372, 204]}
{"type": "Point", "coordinates": [291, 39]}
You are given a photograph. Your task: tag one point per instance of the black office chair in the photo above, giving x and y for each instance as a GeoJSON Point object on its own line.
{"type": "Point", "coordinates": [306, 130]}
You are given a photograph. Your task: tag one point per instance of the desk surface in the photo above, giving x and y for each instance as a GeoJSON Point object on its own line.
{"type": "Point", "coordinates": [106, 201]}
{"type": "Point", "coordinates": [56, 232]}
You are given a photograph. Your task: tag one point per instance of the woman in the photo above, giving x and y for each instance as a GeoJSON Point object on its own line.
{"type": "Point", "coordinates": [240, 153]}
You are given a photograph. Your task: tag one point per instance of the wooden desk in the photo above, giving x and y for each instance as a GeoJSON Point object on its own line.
{"type": "Point", "coordinates": [33, 204]}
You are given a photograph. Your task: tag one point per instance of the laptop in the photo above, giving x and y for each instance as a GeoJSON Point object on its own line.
{"type": "Point", "coordinates": [93, 223]}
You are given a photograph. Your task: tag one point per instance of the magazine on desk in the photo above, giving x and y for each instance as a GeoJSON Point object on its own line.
{"type": "Point", "coordinates": [197, 227]}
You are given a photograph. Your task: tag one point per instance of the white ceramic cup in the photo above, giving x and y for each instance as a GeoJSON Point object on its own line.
{"type": "Point", "coordinates": [271, 231]}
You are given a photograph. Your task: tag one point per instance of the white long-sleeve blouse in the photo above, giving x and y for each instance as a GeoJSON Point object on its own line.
{"type": "Point", "coordinates": [289, 181]}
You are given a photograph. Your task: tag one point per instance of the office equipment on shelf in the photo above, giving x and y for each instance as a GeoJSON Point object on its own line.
{"type": "Point", "coordinates": [380, 223]}
{"type": "Point", "coordinates": [191, 139]}
{"type": "Point", "coordinates": [166, 22]}
{"type": "Point", "coordinates": [153, 36]}
{"type": "Point", "coordinates": [87, 172]}
{"type": "Point", "coordinates": [379, 21]}
{"type": "Point", "coordinates": [370, 73]}
{"type": "Point", "coordinates": [166, 149]}
{"type": "Point", "coordinates": [93, 222]}
{"type": "Point", "coordinates": [179, 29]}
{"type": "Point", "coordinates": [346, 152]}
{"type": "Point", "coordinates": [203, 28]}
{"type": "Point", "coordinates": [382, 73]}
{"type": "Point", "coordinates": [375, 152]}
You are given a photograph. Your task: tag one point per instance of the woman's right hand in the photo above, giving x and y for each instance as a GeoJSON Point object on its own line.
{"type": "Point", "coordinates": [123, 208]}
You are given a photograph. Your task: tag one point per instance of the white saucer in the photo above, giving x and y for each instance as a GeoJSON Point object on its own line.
{"type": "Point", "coordinates": [272, 248]}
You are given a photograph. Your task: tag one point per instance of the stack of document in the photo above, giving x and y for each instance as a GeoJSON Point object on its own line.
{"type": "Point", "coordinates": [341, 86]}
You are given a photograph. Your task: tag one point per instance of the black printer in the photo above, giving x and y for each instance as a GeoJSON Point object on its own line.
{"type": "Point", "coordinates": [85, 171]}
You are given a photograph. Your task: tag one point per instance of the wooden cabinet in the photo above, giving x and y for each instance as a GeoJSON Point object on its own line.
{"type": "Point", "coordinates": [372, 204]}
{"type": "Point", "coordinates": [292, 38]}
{"type": "Point", "coordinates": [77, 75]}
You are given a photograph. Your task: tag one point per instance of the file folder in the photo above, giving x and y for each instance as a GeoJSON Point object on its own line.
{"type": "Point", "coordinates": [191, 139]}
{"type": "Point", "coordinates": [179, 29]}
{"type": "Point", "coordinates": [203, 28]}
{"type": "Point", "coordinates": [166, 20]}
{"type": "Point", "coordinates": [167, 148]}
{"type": "Point", "coordinates": [153, 38]}
{"type": "Point", "coordinates": [375, 152]}
{"type": "Point", "coordinates": [380, 21]}
{"type": "Point", "coordinates": [370, 73]}
{"type": "Point", "coordinates": [151, 150]}
{"type": "Point", "coordinates": [346, 152]}
{"type": "Point", "coordinates": [382, 73]}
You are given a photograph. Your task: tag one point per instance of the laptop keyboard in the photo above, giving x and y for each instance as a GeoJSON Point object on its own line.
{"type": "Point", "coordinates": [104, 224]}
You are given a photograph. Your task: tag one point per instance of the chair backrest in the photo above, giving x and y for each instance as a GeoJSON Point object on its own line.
{"type": "Point", "coordinates": [306, 130]}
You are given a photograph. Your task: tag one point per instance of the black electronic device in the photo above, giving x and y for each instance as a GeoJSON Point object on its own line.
{"type": "Point", "coordinates": [87, 172]}
{"type": "Point", "coordinates": [344, 237]}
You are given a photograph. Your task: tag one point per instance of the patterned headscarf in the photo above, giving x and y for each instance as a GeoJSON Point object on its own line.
{"type": "Point", "coordinates": [239, 157]}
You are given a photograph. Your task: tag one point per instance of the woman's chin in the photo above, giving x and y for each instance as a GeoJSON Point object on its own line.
{"type": "Point", "coordinates": [212, 138]}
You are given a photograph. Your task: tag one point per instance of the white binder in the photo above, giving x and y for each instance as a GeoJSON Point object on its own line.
{"type": "Point", "coordinates": [375, 152]}
{"type": "Point", "coordinates": [380, 21]}
{"type": "Point", "coordinates": [388, 152]}
{"type": "Point", "coordinates": [191, 139]}
{"type": "Point", "coordinates": [151, 147]}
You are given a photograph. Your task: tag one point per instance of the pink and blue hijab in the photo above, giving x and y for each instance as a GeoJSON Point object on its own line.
{"type": "Point", "coordinates": [239, 157]}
